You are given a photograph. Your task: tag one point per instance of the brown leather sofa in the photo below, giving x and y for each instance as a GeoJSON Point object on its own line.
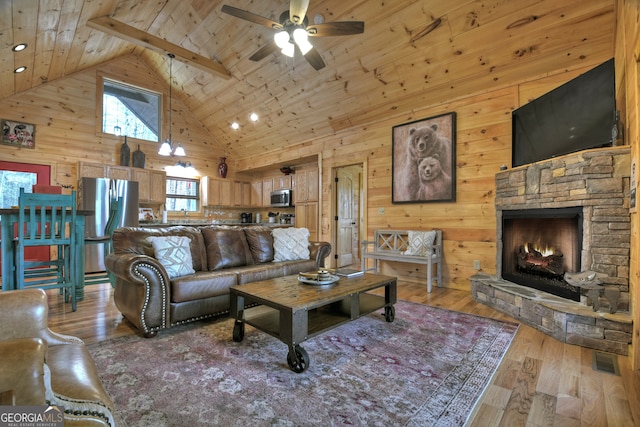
{"type": "Point", "coordinates": [222, 256]}
{"type": "Point", "coordinates": [41, 367]}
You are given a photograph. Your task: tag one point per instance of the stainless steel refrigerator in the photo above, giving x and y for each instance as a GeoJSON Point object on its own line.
{"type": "Point", "coordinates": [95, 194]}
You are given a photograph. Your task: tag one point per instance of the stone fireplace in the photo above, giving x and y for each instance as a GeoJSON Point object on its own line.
{"type": "Point", "coordinates": [567, 214]}
{"type": "Point", "coordinates": [540, 245]}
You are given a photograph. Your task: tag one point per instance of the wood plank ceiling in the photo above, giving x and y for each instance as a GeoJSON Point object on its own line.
{"type": "Point", "coordinates": [396, 66]}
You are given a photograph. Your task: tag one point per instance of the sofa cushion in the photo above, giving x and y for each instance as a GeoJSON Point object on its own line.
{"type": "Point", "coordinates": [226, 247]}
{"type": "Point", "coordinates": [203, 284]}
{"type": "Point", "coordinates": [174, 253]}
{"type": "Point", "coordinates": [290, 244]}
{"type": "Point", "coordinates": [260, 243]}
{"type": "Point", "coordinates": [133, 240]}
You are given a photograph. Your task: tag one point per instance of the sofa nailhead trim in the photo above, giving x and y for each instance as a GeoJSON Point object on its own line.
{"type": "Point", "coordinates": [145, 328]}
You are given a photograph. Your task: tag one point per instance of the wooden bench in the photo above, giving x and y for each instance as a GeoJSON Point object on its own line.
{"type": "Point", "coordinates": [391, 245]}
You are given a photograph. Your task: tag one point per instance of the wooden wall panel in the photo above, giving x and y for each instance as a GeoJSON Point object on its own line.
{"type": "Point", "coordinates": [627, 76]}
{"type": "Point", "coordinates": [64, 113]}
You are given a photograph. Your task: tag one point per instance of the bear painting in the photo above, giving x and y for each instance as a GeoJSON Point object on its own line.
{"type": "Point", "coordinates": [423, 160]}
{"type": "Point", "coordinates": [435, 183]}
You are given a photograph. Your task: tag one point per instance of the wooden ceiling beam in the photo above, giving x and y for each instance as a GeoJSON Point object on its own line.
{"type": "Point", "coordinates": [138, 37]}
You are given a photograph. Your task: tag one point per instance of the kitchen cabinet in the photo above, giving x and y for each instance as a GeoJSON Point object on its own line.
{"type": "Point", "coordinates": [267, 188]}
{"type": "Point", "coordinates": [307, 217]}
{"type": "Point", "coordinates": [305, 196]}
{"type": "Point", "coordinates": [119, 172]}
{"type": "Point", "coordinates": [152, 185]}
{"type": "Point", "coordinates": [157, 186]}
{"type": "Point", "coordinates": [256, 193]}
{"type": "Point", "coordinates": [216, 192]}
{"type": "Point", "coordinates": [306, 187]}
{"type": "Point", "coordinates": [97, 170]}
{"type": "Point", "coordinates": [282, 182]}
{"type": "Point", "coordinates": [91, 170]}
{"type": "Point", "coordinates": [241, 193]}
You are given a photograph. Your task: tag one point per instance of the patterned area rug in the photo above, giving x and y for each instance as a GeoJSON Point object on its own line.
{"type": "Point", "coordinates": [427, 368]}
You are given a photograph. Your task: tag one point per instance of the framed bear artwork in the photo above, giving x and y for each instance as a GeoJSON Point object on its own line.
{"type": "Point", "coordinates": [423, 162]}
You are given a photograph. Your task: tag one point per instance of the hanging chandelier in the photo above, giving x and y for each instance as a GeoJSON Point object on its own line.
{"type": "Point", "coordinates": [167, 148]}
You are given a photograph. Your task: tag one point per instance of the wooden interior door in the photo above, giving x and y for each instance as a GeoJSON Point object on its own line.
{"type": "Point", "coordinates": [347, 215]}
{"type": "Point", "coordinates": [10, 190]}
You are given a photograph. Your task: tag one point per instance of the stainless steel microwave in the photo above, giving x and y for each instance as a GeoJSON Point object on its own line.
{"type": "Point", "coordinates": [281, 198]}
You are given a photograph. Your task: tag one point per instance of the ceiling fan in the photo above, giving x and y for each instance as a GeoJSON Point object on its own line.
{"type": "Point", "coordinates": [293, 30]}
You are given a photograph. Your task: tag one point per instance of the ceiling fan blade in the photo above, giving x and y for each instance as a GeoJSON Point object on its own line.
{"type": "Point", "coordinates": [342, 28]}
{"type": "Point", "coordinates": [314, 58]}
{"type": "Point", "coordinates": [264, 51]}
{"type": "Point", "coordinates": [251, 17]}
{"type": "Point", "coordinates": [297, 10]}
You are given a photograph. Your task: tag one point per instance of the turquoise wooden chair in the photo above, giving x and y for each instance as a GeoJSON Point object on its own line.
{"type": "Point", "coordinates": [47, 220]}
{"type": "Point", "coordinates": [116, 210]}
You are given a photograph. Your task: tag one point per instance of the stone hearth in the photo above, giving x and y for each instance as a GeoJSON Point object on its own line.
{"type": "Point", "coordinates": [565, 320]}
{"type": "Point", "coordinates": [598, 182]}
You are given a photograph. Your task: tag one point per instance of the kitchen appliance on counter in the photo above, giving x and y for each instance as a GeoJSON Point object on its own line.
{"type": "Point", "coordinates": [281, 198]}
{"type": "Point", "coordinates": [95, 194]}
{"type": "Point", "coordinates": [246, 217]}
{"type": "Point", "coordinates": [287, 219]}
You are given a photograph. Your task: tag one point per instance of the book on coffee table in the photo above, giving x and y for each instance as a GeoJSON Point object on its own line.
{"type": "Point", "coordinates": [349, 272]}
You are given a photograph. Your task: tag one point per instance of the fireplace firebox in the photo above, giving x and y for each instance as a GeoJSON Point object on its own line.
{"type": "Point", "coordinates": [540, 245]}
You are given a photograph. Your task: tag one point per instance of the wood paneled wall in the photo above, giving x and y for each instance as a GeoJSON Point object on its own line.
{"type": "Point", "coordinates": [627, 70]}
{"type": "Point", "coordinates": [483, 145]}
{"type": "Point", "coordinates": [64, 113]}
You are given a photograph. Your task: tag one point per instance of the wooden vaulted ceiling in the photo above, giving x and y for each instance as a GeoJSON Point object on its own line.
{"type": "Point", "coordinates": [412, 54]}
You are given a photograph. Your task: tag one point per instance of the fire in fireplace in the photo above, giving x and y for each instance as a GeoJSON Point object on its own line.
{"type": "Point", "coordinates": [540, 245]}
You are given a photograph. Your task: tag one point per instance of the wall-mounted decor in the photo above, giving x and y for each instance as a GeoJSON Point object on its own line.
{"type": "Point", "coordinates": [18, 134]}
{"type": "Point", "coordinates": [423, 162]}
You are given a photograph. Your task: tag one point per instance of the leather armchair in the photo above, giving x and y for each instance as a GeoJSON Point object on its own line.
{"type": "Point", "coordinates": [39, 366]}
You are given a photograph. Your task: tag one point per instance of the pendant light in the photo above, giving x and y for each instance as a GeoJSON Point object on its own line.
{"type": "Point", "coordinates": [167, 149]}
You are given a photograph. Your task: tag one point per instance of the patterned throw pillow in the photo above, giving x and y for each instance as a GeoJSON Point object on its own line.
{"type": "Point", "coordinates": [290, 244]}
{"type": "Point", "coordinates": [420, 242]}
{"type": "Point", "coordinates": [174, 254]}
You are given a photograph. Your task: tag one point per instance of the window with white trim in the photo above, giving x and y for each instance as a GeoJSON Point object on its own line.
{"type": "Point", "coordinates": [183, 194]}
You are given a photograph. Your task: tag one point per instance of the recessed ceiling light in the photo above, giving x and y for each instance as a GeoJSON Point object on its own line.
{"type": "Point", "coordinates": [235, 126]}
{"type": "Point", "coordinates": [253, 117]}
{"type": "Point", "coordinates": [19, 47]}
{"type": "Point", "coordinates": [19, 69]}
{"type": "Point", "coordinates": [318, 19]}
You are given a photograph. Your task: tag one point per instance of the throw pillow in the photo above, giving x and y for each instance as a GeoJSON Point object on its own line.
{"type": "Point", "coordinates": [226, 247]}
{"type": "Point", "coordinates": [290, 244]}
{"type": "Point", "coordinates": [420, 242]}
{"type": "Point", "coordinates": [174, 253]}
{"type": "Point", "coordinates": [260, 243]}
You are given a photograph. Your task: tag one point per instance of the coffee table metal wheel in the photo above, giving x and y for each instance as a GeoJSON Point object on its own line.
{"type": "Point", "coordinates": [299, 361]}
{"type": "Point", "coordinates": [238, 331]}
{"type": "Point", "coordinates": [389, 313]}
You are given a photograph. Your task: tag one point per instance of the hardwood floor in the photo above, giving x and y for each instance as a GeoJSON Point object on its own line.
{"type": "Point", "coordinates": [541, 381]}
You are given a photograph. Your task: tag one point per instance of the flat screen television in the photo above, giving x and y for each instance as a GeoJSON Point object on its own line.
{"type": "Point", "coordinates": [576, 116]}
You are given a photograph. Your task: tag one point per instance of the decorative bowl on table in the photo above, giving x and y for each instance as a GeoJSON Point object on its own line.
{"type": "Point", "coordinates": [320, 277]}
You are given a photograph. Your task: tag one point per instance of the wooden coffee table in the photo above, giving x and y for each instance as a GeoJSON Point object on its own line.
{"type": "Point", "coordinates": [294, 312]}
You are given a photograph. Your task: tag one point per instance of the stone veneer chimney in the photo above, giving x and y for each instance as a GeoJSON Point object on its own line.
{"type": "Point", "coordinates": [598, 181]}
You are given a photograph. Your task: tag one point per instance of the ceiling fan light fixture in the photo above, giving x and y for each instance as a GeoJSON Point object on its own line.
{"type": "Point", "coordinates": [301, 38]}
{"type": "Point", "coordinates": [288, 50]}
{"type": "Point", "coordinates": [282, 39]}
